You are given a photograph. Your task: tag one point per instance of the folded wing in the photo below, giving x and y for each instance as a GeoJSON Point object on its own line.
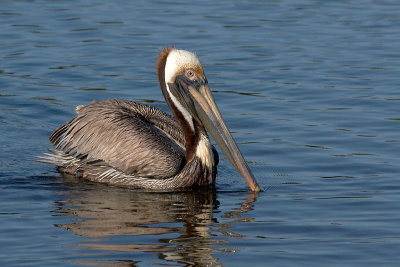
{"type": "Point", "coordinates": [131, 137]}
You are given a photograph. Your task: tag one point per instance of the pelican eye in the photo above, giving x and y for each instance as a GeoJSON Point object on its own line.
{"type": "Point", "coordinates": [190, 74]}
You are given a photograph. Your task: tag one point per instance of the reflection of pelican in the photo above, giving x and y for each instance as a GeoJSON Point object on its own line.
{"type": "Point", "coordinates": [128, 143]}
{"type": "Point", "coordinates": [179, 227]}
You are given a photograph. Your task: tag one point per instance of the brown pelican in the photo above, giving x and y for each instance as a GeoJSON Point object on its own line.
{"type": "Point", "coordinates": [127, 143]}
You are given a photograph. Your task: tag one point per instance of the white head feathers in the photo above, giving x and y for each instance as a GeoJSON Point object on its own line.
{"type": "Point", "coordinates": [177, 61]}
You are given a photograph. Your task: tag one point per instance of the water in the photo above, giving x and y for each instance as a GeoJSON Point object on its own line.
{"type": "Point", "coordinates": [309, 90]}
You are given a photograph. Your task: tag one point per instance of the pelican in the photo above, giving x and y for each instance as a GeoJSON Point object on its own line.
{"type": "Point", "coordinates": [126, 143]}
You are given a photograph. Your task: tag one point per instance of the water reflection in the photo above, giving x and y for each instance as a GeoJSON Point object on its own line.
{"type": "Point", "coordinates": [175, 226]}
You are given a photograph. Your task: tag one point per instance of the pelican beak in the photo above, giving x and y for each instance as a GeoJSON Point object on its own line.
{"type": "Point", "coordinates": [199, 102]}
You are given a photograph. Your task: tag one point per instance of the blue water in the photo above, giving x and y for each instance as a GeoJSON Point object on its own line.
{"type": "Point", "coordinates": [309, 89]}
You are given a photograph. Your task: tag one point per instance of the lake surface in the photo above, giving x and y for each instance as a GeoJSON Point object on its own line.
{"type": "Point", "coordinates": [309, 90]}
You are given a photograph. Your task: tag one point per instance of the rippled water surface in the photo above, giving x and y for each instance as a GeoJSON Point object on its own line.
{"type": "Point", "coordinates": [309, 89]}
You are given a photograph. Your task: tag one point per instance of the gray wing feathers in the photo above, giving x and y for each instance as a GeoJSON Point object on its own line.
{"type": "Point", "coordinates": [131, 137]}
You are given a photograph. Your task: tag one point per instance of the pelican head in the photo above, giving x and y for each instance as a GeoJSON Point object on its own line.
{"type": "Point", "coordinates": [185, 87]}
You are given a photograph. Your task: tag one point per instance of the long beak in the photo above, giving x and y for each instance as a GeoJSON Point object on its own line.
{"type": "Point", "coordinates": [203, 107]}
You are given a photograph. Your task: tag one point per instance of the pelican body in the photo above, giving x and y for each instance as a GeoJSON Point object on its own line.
{"type": "Point", "coordinates": [127, 143]}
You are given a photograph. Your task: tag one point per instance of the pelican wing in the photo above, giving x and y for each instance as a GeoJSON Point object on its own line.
{"type": "Point", "coordinates": [134, 138]}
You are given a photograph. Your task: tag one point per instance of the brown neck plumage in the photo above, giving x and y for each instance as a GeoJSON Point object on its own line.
{"type": "Point", "coordinates": [191, 137]}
